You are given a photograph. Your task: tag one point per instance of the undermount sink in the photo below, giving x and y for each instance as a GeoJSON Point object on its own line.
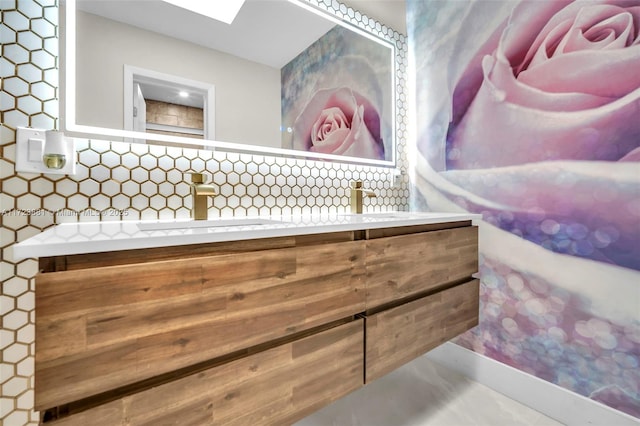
{"type": "Point", "coordinates": [211, 223]}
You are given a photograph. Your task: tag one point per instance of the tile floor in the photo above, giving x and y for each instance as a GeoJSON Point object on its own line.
{"type": "Point", "coordinates": [424, 393]}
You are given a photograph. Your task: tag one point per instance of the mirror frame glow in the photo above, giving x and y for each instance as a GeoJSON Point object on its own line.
{"type": "Point", "coordinates": [374, 30]}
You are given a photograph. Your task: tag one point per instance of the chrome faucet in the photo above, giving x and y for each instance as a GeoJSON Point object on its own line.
{"type": "Point", "coordinates": [199, 194]}
{"type": "Point", "coordinates": [357, 196]}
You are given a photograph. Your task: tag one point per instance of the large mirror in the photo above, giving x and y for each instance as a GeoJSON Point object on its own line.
{"type": "Point", "coordinates": [284, 77]}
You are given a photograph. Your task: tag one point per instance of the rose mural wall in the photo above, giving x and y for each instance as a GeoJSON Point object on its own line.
{"type": "Point", "coordinates": [336, 97]}
{"type": "Point", "coordinates": [528, 112]}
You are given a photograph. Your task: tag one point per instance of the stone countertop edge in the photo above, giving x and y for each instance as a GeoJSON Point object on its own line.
{"type": "Point", "coordinates": [106, 236]}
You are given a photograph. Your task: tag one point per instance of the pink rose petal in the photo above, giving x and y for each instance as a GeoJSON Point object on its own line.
{"type": "Point", "coordinates": [339, 121]}
{"type": "Point", "coordinates": [538, 103]}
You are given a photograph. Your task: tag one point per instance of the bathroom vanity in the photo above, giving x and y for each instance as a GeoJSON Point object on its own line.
{"type": "Point", "coordinates": [263, 322]}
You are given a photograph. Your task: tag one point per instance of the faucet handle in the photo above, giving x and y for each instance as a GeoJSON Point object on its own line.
{"type": "Point", "coordinates": [197, 178]}
{"type": "Point", "coordinates": [356, 184]}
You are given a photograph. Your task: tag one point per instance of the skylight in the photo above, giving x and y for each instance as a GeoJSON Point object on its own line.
{"type": "Point", "coordinates": [220, 10]}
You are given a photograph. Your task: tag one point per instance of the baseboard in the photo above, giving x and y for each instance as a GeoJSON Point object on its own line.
{"type": "Point", "coordinates": [552, 400]}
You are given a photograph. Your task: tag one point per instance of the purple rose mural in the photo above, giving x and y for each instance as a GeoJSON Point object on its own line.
{"type": "Point", "coordinates": [337, 97]}
{"type": "Point", "coordinates": [529, 113]}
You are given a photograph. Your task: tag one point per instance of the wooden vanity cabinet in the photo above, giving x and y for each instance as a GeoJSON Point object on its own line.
{"type": "Point", "coordinates": [277, 386]}
{"type": "Point", "coordinates": [106, 325]}
{"type": "Point", "coordinates": [246, 332]}
{"type": "Point", "coordinates": [408, 261]}
{"type": "Point", "coordinates": [420, 292]}
{"type": "Point", "coordinates": [398, 335]}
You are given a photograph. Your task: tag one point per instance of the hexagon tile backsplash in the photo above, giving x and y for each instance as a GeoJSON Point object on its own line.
{"type": "Point", "coordinates": [119, 181]}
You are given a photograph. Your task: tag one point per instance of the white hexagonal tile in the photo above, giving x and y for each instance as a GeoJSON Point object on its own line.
{"type": "Point", "coordinates": [6, 268]}
{"type": "Point", "coordinates": [174, 202]}
{"type": "Point", "coordinates": [158, 175]}
{"type": "Point", "coordinates": [15, 186]}
{"type": "Point", "coordinates": [78, 202]}
{"type": "Point", "coordinates": [174, 176]}
{"type": "Point", "coordinates": [183, 164]}
{"type": "Point", "coordinates": [100, 202]}
{"type": "Point", "coordinates": [44, 121]}
{"type": "Point", "coordinates": [27, 268]}
{"type": "Point", "coordinates": [16, 20]}
{"type": "Point", "coordinates": [16, 54]}
{"type": "Point", "coordinates": [140, 202]}
{"type": "Point", "coordinates": [100, 173]}
{"type": "Point", "coordinates": [158, 202]}
{"type": "Point", "coordinates": [120, 174]}
{"type": "Point", "coordinates": [166, 189]}
{"type": "Point", "coordinates": [157, 150]}
{"type": "Point", "coordinates": [7, 35]}
{"type": "Point", "coordinates": [120, 202]}
{"type": "Point", "coordinates": [42, 219]}
{"type": "Point", "coordinates": [43, 90]}
{"type": "Point", "coordinates": [130, 188]}
{"type": "Point", "coordinates": [139, 175]}
{"type": "Point", "coordinates": [149, 214]}
{"type": "Point", "coordinates": [15, 320]}
{"type": "Point", "coordinates": [7, 304]}
{"type": "Point", "coordinates": [6, 404]}
{"type": "Point", "coordinates": [27, 333]}
{"type": "Point", "coordinates": [29, 105]}
{"type": "Point", "coordinates": [182, 189]}
{"type": "Point", "coordinates": [148, 162]}
{"type": "Point", "coordinates": [149, 189]}
{"type": "Point", "coordinates": [17, 418]}
{"type": "Point", "coordinates": [41, 58]}
{"type": "Point", "coordinates": [25, 401]}
{"type": "Point", "coordinates": [110, 159]}
{"type": "Point", "coordinates": [130, 160]}
{"type": "Point", "coordinates": [41, 186]}
{"type": "Point", "coordinates": [89, 158]}
{"type": "Point", "coordinates": [110, 188]}
{"type": "Point", "coordinates": [15, 220]}
{"type": "Point", "coordinates": [89, 187]}
{"type": "Point", "coordinates": [218, 202]}
{"type": "Point", "coordinates": [53, 202]}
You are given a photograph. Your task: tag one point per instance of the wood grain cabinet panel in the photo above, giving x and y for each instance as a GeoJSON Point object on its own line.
{"type": "Point", "coordinates": [275, 387]}
{"type": "Point", "coordinates": [103, 328]}
{"type": "Point", "coordinates": [405, 265]}
{"type": "Point", "coordinates": [398, 335]}
{"type": "Point", "coordinates": [249, 332]}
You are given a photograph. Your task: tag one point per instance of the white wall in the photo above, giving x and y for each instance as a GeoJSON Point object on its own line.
{"type": "Point", "coordinates": [247, 93]}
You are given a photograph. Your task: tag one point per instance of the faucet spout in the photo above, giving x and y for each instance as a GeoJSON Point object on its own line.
{"type": "Point", "coordinates": [199, 194]}
{"type": "Point", "coordinates": [357, 196]}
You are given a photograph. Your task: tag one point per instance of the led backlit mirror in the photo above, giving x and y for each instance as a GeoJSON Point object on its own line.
{"type": "Point", "coordinates": [284, 78]}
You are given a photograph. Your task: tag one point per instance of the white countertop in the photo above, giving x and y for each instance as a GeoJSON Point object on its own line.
{"type": "Point", "coordinates": [95, 237]}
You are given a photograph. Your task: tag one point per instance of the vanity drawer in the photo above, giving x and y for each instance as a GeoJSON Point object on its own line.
{"type": "Point", "coordinates": [398, 335]}
{"type": "Point", "coordinates": [405, 265]}
{"type": "Point", "coordinates": [274, 387]}
{"type": "Point", "coordinates": [103, 328]}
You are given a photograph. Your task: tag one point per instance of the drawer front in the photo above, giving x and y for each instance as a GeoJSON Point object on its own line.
{"type": "Point", "coordinates": [406, 265]}
{"type": "Point", "coordinates": [104, 328]}
{"type": "Point", "coordinates": [274, 387]}
{"type": "Point", "coordinates": [398, 335]}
